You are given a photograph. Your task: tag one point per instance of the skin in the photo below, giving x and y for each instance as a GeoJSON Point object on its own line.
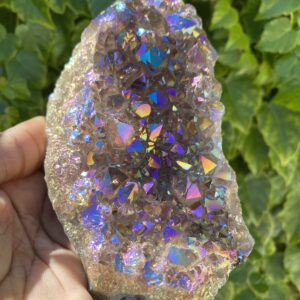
{"type": "Point", "coordinates": [36, 261]}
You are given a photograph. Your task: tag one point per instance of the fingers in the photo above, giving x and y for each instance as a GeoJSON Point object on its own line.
{"type": "Point", "coordinates": [22, 149]}
{"type": "Point", "coordinates": [5, 235]}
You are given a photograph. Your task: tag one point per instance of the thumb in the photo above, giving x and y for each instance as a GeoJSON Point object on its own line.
{"type": "Point", "coordinates": [22, 149]}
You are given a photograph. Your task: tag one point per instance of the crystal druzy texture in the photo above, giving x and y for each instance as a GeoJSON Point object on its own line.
{"type": "Point", "coordinates": [135, 167]}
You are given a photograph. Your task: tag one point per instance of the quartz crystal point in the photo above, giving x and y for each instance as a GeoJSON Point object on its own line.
{"type": "Point", "coordinates": [135, 167]}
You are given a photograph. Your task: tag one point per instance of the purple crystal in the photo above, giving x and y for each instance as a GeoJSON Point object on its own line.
{"type": "Point", "coordinates": [135, 167]}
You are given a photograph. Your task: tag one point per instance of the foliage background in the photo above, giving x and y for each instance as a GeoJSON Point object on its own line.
{"type": "Point", "coordinates": [258, 42]}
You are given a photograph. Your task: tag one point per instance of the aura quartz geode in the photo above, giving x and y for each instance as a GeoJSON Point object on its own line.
{"type": "Point", "coordinates": [135, 167]}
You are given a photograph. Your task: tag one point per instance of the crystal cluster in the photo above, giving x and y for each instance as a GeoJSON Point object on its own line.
{"type": "Point", "coordinates": [135, 167]}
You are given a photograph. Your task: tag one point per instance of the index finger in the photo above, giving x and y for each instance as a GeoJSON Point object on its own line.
{"type": "Point", "coordinates": [22, 149]}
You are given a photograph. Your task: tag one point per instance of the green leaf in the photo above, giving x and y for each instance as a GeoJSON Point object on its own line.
{"type": "Point", "coordinates": [62, 39]}
{"type": "Point", "coordinates": [255, 151]}
{"type": "Point", "coordinates": [225, 16]}
{"type": "Point", "coordinates": [263, 232]}
{"type": "Point", "coordinates": [8, 47]}
{"type": "Point", "coordinates": [240, 275]}
{"type": "Point", "coordinates": [5, 3]}
{"type": "Point", "coordinates": [16, 89]}
{"type": "Point", "coordinates": [278, 37]}
{"type": "Point", "coordinates": [247, 64]}
{"type": "Point", "coordinates": [258, 283]}
{"type": "Point", "coordinates": [265, 74]}
{"type": "Point", "coordinates": [291, 263]}
{"type": "Point", "coordinates": [2, 32]}
{"type": "Point", "coordinates": [230, 58]}
{"type": "Point", "coordinates": [275, 8]}
{"type": "Point", "coordinates": [57, 6]}
{"type": "Point", "coordinates": [33, 11]}
{"type": "Point", "coordinates": [290, 215]}
{"type": "Point", "coordinates": [36, 38]}
{"type": "Point", "coordinates": [280, 128]}
{"type": "Point", "coordinates": [246, 295]}
{"type": "Point", "coordinates": [3, 83]}
{"type": "Point", "coordinates": [287, 68]}
{"type": "Point", "coordinates": [78, 6]}
{"type": "Point", "coordinates": [96, 6]}
{"type": "Point", "coordinates": [11, 117]}
{"type": "Point", "coordinates": [273, 266]}
{"type": "Point", "coordinates": [237, 38]}
{"type": "Point", "coordinates": [28, 65]}
{"type": "Point", "coordinates": [230, 135]}
{"type": "Point", "coordinates": [252, 27]}
{"type": "Point", "coordinates": [226, 292]}
{"type": "Point", "coordinates": [289, 95]}
{"type": "Point", "coordinates": [242, 99]}
{"type": "Point", "coordinates": [3, 106]}
{"type": "Point", "coordinates": [254, 193]}
{"type": "Point", "coordinates": [280, 291]}
{"type": "Point", "coordinates": [278, 190]}
{"type": "Point", "coordinates": [287, 172]}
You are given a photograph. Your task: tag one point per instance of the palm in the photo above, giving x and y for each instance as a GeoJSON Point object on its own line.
{"type": "Point", "coordinates": [35, 261]}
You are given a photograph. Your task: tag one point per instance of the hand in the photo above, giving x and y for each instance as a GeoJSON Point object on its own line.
{"type": "Point", "coordinates": [36, 262]}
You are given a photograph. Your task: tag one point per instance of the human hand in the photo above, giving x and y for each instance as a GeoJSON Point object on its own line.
{"type": "Point", "coordinates": [36, 262]}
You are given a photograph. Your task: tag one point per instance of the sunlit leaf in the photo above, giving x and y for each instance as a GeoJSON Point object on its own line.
{"type": "Point", "coordinates": [225, 16]}
{"type": "Point", "coordinates": [274, 8]}
{"type": "Point", "coordinates": [255, 151]}
{"type": "Point", "coordinates": [242, 99]}
{"type": "Point", "coordinates": [33, 11]}
{"type": "Point", "coordinates": [278, 36]}
{"type": "Point", "coordinates": [254, 193]}
{"type": "Point", "coordinates": [289, 95]}
{"type": "Point", "coordinates": [290, 215]}
{"type": "Point", "coordinates": [28, 65]}
{"type": "Point", "coordinates": [280, 128]}
{"type": "Point", "coordinates": [291, 259]}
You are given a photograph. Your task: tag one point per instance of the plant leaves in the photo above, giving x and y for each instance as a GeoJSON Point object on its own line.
{"type": "Point", "coordinates": [287, 68]}
{"type": "Point", "coordinates": [79, 6]}
{"type": "Point", "coordinates": [226, 292]}
{"type": "Point", "coordinates": [230, 135]}
{"type": "Point", "coordinates": [273, 266]}
{"type": "Point", "coordinates": [27, 65]}
{"type": "Point", "coordinates": [16, 88]}
{"type": "Point", "coordinates": [275, 8]}
{"type": "Point", "coordinates": [8, 47]}
{"type": "Point", "coordinates": [278, 37]}
{"type": "Point", "coordinates": [33, 11]}
{"type": "Point", "coordinates": [242, 99]}
{"type": "Point", "coordinates": [291, 263]}
{"type": "Point", "coordinates": [280, 128]}
{"type": "Point", "coordinates": [57, 6]}
{"type": "Point", "coordinates": [247, 294]}
{"type": "Point", "coordinates": [237, 38]}
{"type": "Point", "coordinates": [2, 32]}
{"type": "Point", "coordinates": [278, 190]}
{"type": "Point", "coordinates": [289, 95]}
{"type": "Point", "coordinates": [254, 193]}
{"type": "Point", "coordinates": [290, 215]}
{"type": "Point", "coordinates": [225, 16]}
{"type": "Point", "coordinates": [287, 172]}
{"type": "Point", "coordinates": [255, 151]}
{"type": "Point", "coordinates": [280, 291]}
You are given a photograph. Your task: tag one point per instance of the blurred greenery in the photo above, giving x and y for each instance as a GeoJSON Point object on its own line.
{"type": "Point", "coordinates": [258, 42]}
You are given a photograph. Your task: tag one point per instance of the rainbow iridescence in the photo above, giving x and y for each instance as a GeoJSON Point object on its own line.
{"type": "Point", "coordinates": [152, 209]}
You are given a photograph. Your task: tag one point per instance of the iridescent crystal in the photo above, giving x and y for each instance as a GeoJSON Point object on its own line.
{"type": "Point", "coordinates": [135, 167]}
